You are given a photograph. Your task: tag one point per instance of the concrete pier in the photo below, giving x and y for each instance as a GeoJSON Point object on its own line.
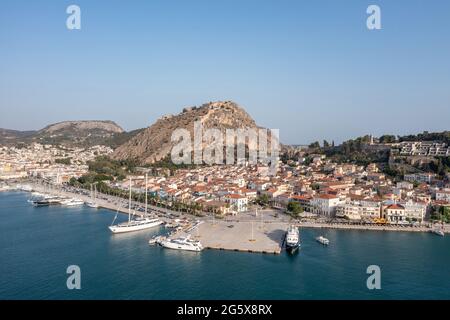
{"type": "Point", "coordinates": [223, 235]}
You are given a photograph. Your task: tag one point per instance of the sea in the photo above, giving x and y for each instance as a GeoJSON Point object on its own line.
{"type": "Point", "coordinates": [38, 245]}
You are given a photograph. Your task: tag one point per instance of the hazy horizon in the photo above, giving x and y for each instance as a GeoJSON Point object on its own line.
{"type": "Point", "coordinates": [311, 69]}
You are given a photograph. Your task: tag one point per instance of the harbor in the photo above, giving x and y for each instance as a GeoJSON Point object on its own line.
{"type": "Point", "coordinates": [256, 236]}
{"type": "Point", "coordinates": [249, 232]}
{"type": "Point", "coordinates": [39, 243]}
{"type": "Point", "coordinates": [244, 236]}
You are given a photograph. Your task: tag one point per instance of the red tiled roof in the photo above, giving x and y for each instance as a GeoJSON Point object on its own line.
{"type": "Point", "coordinates": [396, 207]}
{"type": "Point", "coordinates": [235, 196]}
{"type": "Point", "coordinates": [298, 197]}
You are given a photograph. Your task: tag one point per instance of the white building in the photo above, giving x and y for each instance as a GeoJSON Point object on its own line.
{"type": "Point", "coordinates": [443, 195]}
{"type": "Point", "coordinates": [415, 211]}
{"type": "Point", "coordinates": [356, 210]}
{"type": "Point", "coordinates": [405, 185]}
{"type": "Point", "coordinates": [238, 203]}
{"type": "Point", "coordinates": [409, 211]}
{"type": "Point", "coordinates": [419, 177]}
{"type": "Point", "coordinates": [325, 204]}
{"type": "Point", "coordinates": [395, 213]}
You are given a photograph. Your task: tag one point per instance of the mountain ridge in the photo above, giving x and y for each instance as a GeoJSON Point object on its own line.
{"type": "Point", "coordinates": [73, 133]}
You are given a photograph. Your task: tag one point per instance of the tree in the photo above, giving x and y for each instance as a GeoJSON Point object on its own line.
{"type": "Point", "coordinates": [314, 145]}
{"type": "Point", "coordinates": [66, 161]}
{"type": "Point", "coordinates": [315, 186]}
{"type": "Point", "coordinates": [294, 207]}
{"type": "Point", "coordinates": [326, 144]}
{"type": "Point", "coordinates": [444, 213]}
{"type": "Point", "coordinates": [73, 181]}
{"type": "Point", "coordinates": [263, 200]}
{"type": "Point", "coordinates": [387, 138]}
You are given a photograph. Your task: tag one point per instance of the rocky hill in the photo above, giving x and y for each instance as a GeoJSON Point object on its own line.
{"type": "Point", "coordinates": [74, 133]}
{"type": "Point", "coordinates": [85, 126]}
{"type": "Point", "coordinates": [154, 143]}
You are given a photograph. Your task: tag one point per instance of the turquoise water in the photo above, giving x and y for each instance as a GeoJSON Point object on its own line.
{"type": "Point", "coordinates": [38, 244]}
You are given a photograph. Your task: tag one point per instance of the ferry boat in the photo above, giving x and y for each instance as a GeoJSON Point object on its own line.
{"type": "Point", "coordinates": [182, 243]}
{"type": "Point", "coordinates": [323, 240]}
{"type": "Point", "coordinates": [292, 239]}
{"type": "Point", "coordinates": [135, 224]}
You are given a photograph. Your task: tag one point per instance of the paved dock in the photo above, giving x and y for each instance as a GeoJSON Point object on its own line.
{"type": "Point", "coordinates": [223, 235]}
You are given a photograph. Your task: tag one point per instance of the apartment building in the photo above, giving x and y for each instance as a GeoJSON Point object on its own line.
{"type": "Point", "coordinates": [325, 204]}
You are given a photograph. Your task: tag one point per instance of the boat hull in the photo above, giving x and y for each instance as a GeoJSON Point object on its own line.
{"type": "Point", "coordinates": [291, 249]}
{"type": "Point", "coordinates": [176, 246]}
{"type": "Point", "coordinates": [124, 229]}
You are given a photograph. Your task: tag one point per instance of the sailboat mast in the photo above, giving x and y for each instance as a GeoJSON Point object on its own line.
{"type": "Point", "coordinates": [129, 205]}
{"type": "Point", "coordinates": [146, 195]}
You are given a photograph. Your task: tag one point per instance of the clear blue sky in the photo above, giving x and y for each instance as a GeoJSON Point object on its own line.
{"type": "Point", "coordinates": [310, 68]}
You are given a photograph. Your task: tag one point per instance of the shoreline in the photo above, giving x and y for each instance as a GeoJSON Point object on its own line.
{"type": "Point", "coordinates": [118, 206]}
{"type": "Point", "coordinates": [369, 228]}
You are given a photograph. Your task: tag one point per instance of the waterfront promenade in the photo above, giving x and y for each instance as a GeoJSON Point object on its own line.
{"type": "Point", "coordinates": [249, 232]}
{"type": "Point", "coordinates": [370, 227]}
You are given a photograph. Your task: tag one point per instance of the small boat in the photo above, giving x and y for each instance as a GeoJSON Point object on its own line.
{"type": "Point", "coordinates": [92, 205]}
{"type": "Point", "coordinates": [155, 240]}
{"type": "Point", "coordinates": [171, 225]}
{"type": "Point", "coordinates": [323, 240]}
{"type": "Point", "coordinates": [438, 232]}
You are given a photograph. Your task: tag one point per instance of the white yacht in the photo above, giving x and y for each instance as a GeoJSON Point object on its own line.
{"type": "Point", "coordinates": [182, 243]}
{"type": "Point", "coordinates": [323, 240]}
{"type": "Point", "coordinates": [292, 239]}
{"type": "Point", "coordinates": [135, 224]}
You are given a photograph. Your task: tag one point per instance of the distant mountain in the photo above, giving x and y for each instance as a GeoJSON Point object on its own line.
{"type": "Point", "coordinates": [12, 135]}
{"type": "Point", "coordinates": [73, 133]}
{"type": "Point", "coordinates": [154, 143]}
{"type": "Point", "coordinates": [80, 133]}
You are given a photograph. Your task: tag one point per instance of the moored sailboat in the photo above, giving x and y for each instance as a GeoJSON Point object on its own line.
{"type": "Point", "coordinates": [135, 224]}
{"type": "Point", "coordinates": [93, 203]}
